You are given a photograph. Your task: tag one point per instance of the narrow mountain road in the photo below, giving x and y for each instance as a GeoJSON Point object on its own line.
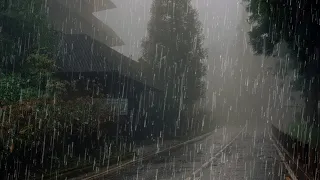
{"type": "Point", "coordinates": [229, 153]}
{"type": "Point", "coordinates": [253, 156]}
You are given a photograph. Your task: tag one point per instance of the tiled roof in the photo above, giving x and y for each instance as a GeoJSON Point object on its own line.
{"type": "Point", "coordinates": [99, 5]}
{"type": "Point", "coordinates": [75, 17]}
{"type": "Point", "coordinates": [81, 53]}
{"type": "Point", "coordinates": [87, 5]}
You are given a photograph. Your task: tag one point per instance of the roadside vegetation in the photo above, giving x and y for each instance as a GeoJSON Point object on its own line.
{"type": "Point", "coordinates": [289, 31]}
{"type": "Point", "coordinates": [43, 132]}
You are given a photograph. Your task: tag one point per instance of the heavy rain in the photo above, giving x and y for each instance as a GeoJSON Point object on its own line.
{"type": "Point", "coordinates": [159, 89]}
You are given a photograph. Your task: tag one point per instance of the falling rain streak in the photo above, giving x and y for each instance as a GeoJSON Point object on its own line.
{"type": "Point", "coordinates": [159, 89]}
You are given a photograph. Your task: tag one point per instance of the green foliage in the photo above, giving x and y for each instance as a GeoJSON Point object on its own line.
{"type": "Point", "coordinates": [39, 69]}
{"type": "Point", "coordinates": [36, 80]}
{"type": "Point", "coordinates": [27, 50]}
{"type": "Point", "coordinates": [284, 22]}
{"type": "Point", "coordinates": [24, 31]}
{"type": "Point", "coordinates": [14, 88]}
{"type": "Point", "coordinates": [174, 49]}
{"type": "Point", "coordinates": [305, 133]}
{"type": "Point", "coordinates": [32, 122]}
{"type": "Point", "coordinates": [37, 64]}
{"type": "Point", "coordinates": [26, 19]}
{"type": "Point", "coordinates": [294, 24]}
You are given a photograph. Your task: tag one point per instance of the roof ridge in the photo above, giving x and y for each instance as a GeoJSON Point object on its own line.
{"type": "Point", "coordinates": [88, 5]}
{"type": "Point", "coordinates": [107, 4]}
{"type": "Point", "coordinates": [74, 19]}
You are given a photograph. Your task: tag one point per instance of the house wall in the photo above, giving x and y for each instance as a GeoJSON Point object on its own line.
{"type": "Point", "coordinates": [144, 103]}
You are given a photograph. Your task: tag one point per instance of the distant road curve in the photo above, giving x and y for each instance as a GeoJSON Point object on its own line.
{"type": "Point", "coordinates": [106, 171]}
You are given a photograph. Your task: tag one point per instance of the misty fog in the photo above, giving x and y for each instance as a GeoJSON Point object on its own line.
{"type": "Point", "coordinates": [150, 89]}
{"type": "Point", "coordinates": [232, 67]}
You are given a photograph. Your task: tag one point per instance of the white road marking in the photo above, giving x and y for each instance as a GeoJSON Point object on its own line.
{"type": "Point", "coordinates": [142, 158]}
{"type": "Point", "coordinates": [213, 157]}
{"type": "Point", "coordinates": [286, 152]}
{"type": "Point", "coordinates": [290, 171]}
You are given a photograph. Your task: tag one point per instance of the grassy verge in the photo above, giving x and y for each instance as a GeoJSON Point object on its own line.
{"type": "Point", "coordinates": [305, 133]}
{"type": "Point", "coordinates": [301, 143]}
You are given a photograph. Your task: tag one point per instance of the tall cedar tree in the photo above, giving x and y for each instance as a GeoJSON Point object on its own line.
{"type": "Point", "coordinates": [174, 49]}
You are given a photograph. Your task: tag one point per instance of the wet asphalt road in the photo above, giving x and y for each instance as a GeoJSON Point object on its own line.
{"type": "Point", "coordinates": [250, 156]}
